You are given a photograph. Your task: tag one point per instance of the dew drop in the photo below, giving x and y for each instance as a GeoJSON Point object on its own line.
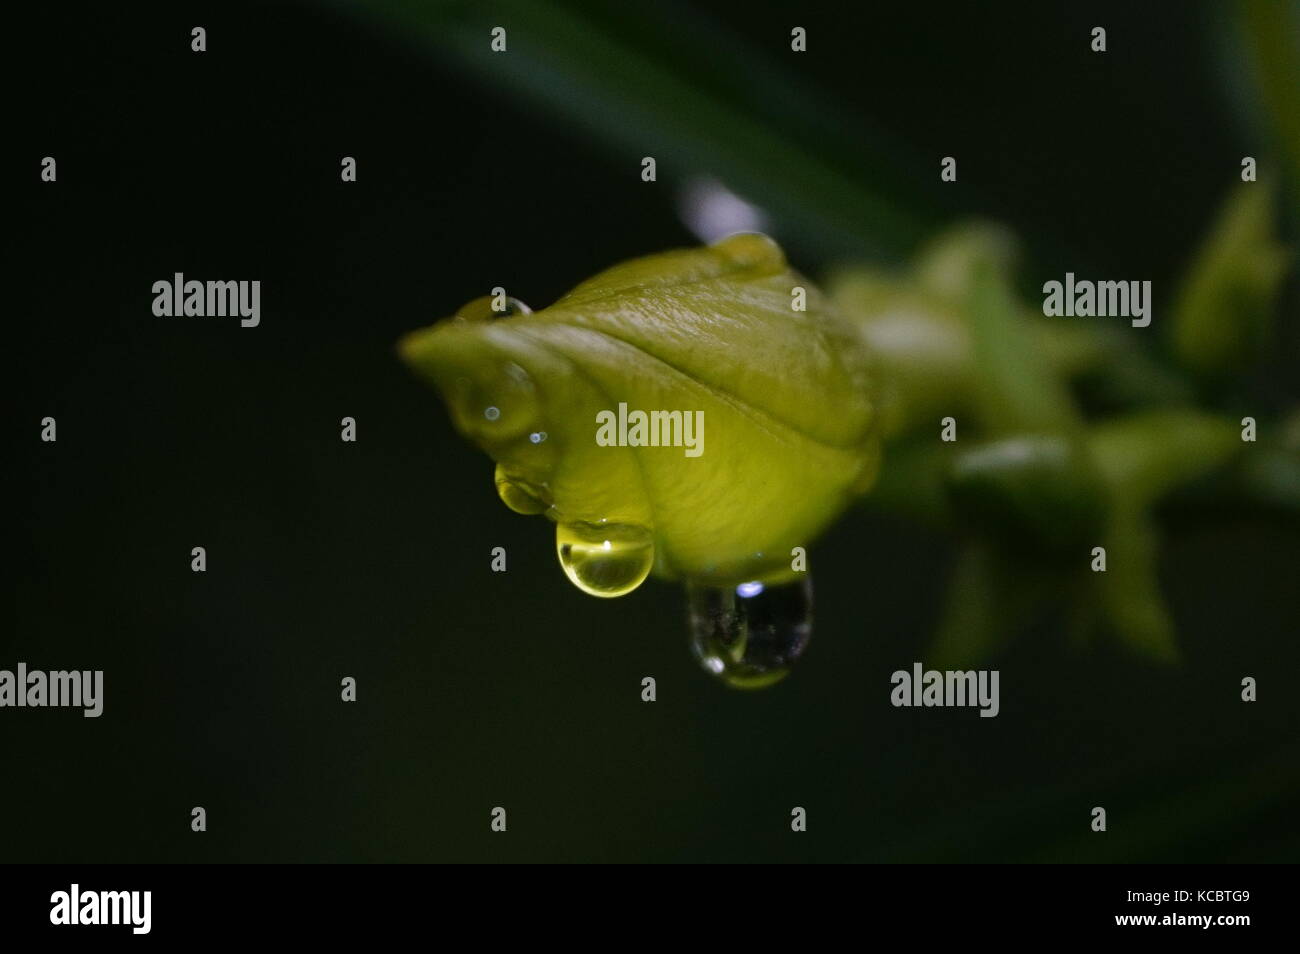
{"type": "Point", "coordinates": [605, 559]}
{"type": "Point", "coordinates": [518, 494]}
{"type": "Point", "coordinates": [752, 250]}
{"type": "Point", "coordinates": [513, 306]}
{"type": "Point", "coordinates": [750, 635]}
{"type": "Point", "coordinates": [481, 309]}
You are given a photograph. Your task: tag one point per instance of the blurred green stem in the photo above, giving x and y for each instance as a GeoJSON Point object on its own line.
{"type": "Point", "coordinates": [1271, 29]}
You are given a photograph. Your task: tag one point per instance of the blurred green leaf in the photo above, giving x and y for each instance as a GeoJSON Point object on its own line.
{"type": "Point", "coordinates": [1146, 455]}
{"type": "Point", "coordinates": [920, 344]}
{"type": "Point", "coordinates": [988, 600]}
{"type": "Point", "coordinates": [1130, 587]}
{"type": "Point", "coordinates": [1224, 310]}
{"type": "Point", "coordinates": [1271, 475]}
{"type": "Point", "coordinates": [1030, 490]}
{"type": "Point", "coordinates": [1015, 389]}
{"type": "Point", "coordinates": [913, 482]}
{"type": "Point", "coordinates": [1271, 31]}
{"type": "Point", "coordinates": [623, 80]}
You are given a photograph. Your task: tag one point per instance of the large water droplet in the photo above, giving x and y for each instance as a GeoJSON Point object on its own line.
{"type": "Point", "coordinates": [750, 635]}
{"type": "Point", "coordinates": [605, 559]}
{"type": "Point", "coordinates": [517, 494]}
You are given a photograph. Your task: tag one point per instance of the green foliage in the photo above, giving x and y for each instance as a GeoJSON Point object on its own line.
{"type": "Point", "coordinates": [1032, 482]}
{"type": "Point", "coordinates": [1040, 489]}
{"type": "Point", "coordinates": [1224, 311]}
{"type": "Point", "coordinates": [790, 427]}
{"type": "Point", "coordinates": [1070, 434]}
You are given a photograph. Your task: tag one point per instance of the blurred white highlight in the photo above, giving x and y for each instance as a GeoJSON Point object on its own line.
{"type": "Point", "coordinates": [712, 211]}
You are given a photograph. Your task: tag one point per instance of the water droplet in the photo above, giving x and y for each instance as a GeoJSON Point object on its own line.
{"type": "Point", "coordinates": [481, 309]}
{"type": "Point", "coordinates": [605, 559]}
{"type": "Point", "coordinates": [513, 307]}
{"type": "Point", "coordinates": [750, 635]}
{"type": "Point", "coordinates": [491, 413]}
{"type": "Point", "coordinates": [517, 494]}
{"type": "Point", "coordinates": [752, 250]}
{"type": "Point", "coordinates": [537, 436]}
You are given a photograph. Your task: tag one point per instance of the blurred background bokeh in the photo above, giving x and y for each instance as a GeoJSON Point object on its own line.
{"type": "Point", "coordinates": [371, 560]}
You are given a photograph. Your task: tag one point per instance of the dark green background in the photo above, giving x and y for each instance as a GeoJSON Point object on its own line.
{"type": "Point", "coordinates": [372, 559]}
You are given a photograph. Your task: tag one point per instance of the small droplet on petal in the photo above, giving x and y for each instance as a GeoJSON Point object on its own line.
{"type": "Point", "coordinates": [518, 494]}
{"type": "Point", "coordinates": [752, 250]}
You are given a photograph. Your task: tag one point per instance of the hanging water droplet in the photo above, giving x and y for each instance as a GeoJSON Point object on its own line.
{"type": "Point", "coordinates": [750, 635]}
{"type": "Point", "coordinates": [605, 559]}
{"type": "Point", "coordinates": [517, 494]}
